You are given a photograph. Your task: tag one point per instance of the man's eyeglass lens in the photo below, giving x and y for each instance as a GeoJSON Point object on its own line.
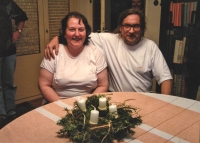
{"type": "Point", "coordinates": [136, 27]}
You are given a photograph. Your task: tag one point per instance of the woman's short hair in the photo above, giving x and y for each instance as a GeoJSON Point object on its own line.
{"type": "Point", "coordinates": [130, 11]}
{"type": "Point", "coordinates": [64, 23]}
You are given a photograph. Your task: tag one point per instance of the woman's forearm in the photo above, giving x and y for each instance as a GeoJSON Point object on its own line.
{"type": "Point", "coordinates": [101, 89]}
{"type": "Point", "coordinates": [49, 94]}
{"type": "Point", "coordinates": [102, 82]}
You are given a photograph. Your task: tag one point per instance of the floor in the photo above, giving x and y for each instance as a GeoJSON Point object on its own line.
{"type": "Point", "coordinates": [22, 109]}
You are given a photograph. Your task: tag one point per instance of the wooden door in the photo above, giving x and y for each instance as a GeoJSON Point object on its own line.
{"type": "Point", "coordinates": [43, 24]}
{"type": "Point", "coordinates": [29, 53]}
{"type": "Point", "coordinates": [84, 7]}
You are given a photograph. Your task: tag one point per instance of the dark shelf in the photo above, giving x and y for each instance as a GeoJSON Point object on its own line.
{"type": "Point", "coordinates": [190, 67]}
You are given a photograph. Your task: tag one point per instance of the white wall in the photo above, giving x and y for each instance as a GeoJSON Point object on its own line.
{"type": "Point", "coordinates": [153, 20]}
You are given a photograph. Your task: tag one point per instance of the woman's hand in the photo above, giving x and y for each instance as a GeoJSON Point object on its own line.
{"type": "Point", "coordinates": [53, 44]}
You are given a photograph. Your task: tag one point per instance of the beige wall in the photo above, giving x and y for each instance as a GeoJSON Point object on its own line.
{"type": "Point", "coordinates": [153, 25]}
{"type": "Point", "coordinates": [153, 20]}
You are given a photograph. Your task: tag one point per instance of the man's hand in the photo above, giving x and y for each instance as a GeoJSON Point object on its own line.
{"type": "Point", "coordinates": [15, 36]}
{"type": "Point", "coordinates": [53, 44]}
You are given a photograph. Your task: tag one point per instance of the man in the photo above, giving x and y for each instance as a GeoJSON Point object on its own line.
{"type": "Point", "coordinates": [9, 10]}
{"type": "Point", "coordinates": [138, 4]}
{"type": "Point", "coordinates": [132, 59]}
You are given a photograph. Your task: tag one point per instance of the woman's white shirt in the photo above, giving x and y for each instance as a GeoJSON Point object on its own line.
{"type": "Point", "coordinates": [74, 76]}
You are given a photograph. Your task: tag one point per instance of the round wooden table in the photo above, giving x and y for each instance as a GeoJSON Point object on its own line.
{"type": "Point", "coordinates": [165, 119]}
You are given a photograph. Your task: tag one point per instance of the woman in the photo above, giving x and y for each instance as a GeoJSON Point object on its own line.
{"type": "Point", "coordinates": [79, 68]}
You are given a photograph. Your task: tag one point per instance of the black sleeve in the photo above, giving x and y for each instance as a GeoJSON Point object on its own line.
{"type": "Point", "coordinates": [18, 14]}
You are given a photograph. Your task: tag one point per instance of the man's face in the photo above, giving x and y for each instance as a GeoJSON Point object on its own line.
{"type": "Point", "coordinates": [131, 30]}
{"type": "Point", "coordinates": [136, 3]}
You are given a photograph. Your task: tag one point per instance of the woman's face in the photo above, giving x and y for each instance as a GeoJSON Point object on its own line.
{"type": "Point", "coordinates": [75, 33]}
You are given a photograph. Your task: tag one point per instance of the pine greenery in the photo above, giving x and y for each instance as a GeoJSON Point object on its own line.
{"type": "Point", "coordinates": [110, 126]}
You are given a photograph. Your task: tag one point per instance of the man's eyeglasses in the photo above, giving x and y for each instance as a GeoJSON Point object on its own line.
{"type": "Point", "coordinates": [135, 27]}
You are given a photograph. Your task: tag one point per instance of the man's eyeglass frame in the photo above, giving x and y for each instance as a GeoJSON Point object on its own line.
{"type": "Point", "coordinates": [136, 27]}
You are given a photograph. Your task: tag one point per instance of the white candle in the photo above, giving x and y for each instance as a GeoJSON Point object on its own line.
{"type": "Point", "coordinates": [102, 103]}
{"type": "Point", "coordinates": [94, 116]}
{"type": "Point", "coordinates": [112, 108]}
{"type": "Point", "coordinates": [81, 104]}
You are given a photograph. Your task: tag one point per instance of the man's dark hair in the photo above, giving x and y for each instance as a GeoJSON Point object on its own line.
{"type": "Point", "coordinates": [130, 11]}
{"type": "Point", "coordinates": [64, 23]}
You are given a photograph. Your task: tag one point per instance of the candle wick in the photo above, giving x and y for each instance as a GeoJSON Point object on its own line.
{"type": "Point", "coordinates": [84, 121]}
{"type": "Point", "coordinates": [93, 107]}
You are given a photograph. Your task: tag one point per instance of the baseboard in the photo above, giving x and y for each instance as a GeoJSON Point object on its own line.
{"type": "Point", "coordinates": [28, 99]}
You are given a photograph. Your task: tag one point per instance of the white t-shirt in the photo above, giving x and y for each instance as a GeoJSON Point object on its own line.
{"type": "Point", "coordinates": [131, 68]}
{"type": "Point", "coordinates": [74, 76]}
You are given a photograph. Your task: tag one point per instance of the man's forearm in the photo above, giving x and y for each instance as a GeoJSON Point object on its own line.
{"type": "Point", "coordinates": [20, 25]}
{"type": "Point", "coordinates": [166, 87]}
{"type": "Point", "coordinates": [53, 44]}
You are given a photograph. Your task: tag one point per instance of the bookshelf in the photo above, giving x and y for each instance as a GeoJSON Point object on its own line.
{"type": "Point", "coordinates": [180, 44]}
